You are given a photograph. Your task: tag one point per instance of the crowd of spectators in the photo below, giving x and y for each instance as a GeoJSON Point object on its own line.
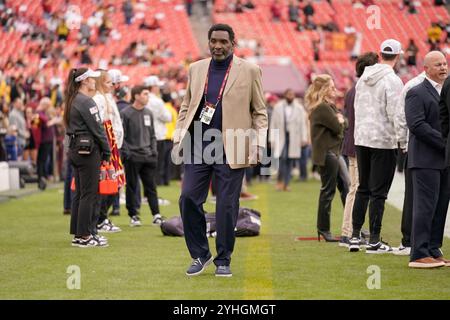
{"type": "Point", "coordinates": [34, 77]}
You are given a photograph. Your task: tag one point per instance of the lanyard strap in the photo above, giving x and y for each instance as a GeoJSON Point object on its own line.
{"type": "Point", "coordinates": [224, 82]}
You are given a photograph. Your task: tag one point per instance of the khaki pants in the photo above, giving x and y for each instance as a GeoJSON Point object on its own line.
{"type": "Point", "coordinates": [354, 182]}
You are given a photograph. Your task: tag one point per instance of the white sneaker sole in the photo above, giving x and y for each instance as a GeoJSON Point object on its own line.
{"type": "Point", "coordinates": [224, 275]}
{"type": "Point", "coordinates": [135, 225]}
{"type": "Point", "coordinates": [102, 246]}
{"type": "Point", "coordinates": [401, 253]}
{"type": "Point", "coordinates": [377, 251]}
{"type": "Point", "coordinates": [417, 265]}
{"type": "Point", "coordinates": [207, 263]}
{"type": "Point", "coordinates": [109, 231]}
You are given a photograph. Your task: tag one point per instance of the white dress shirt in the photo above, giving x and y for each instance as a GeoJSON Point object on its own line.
{"type": "Point", "coordinates": [435, 85]}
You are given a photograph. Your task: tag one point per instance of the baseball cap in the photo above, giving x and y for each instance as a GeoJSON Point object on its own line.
{"type": "Point", "coordinates": [56, 82]}
{"type": "Point", "coordinates": [88, 74]}
{"type": "Point", "coordinates": [117, 76]}
{"type": "Point", "coordinates": [153, 81]}
{"type": "Point", "coordinates": [391, 46]}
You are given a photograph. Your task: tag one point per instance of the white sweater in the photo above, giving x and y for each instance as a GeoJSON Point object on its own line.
{"type": "Point", "coordinates": [161, 116]}
{"type": "Point", "coordinates": [378, 110]}
{"type": "Point", "coordinates": [103, 102]}
{"type": "Point", "coordinates": [408, 86]}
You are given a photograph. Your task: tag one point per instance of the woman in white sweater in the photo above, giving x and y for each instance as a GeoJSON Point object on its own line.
{"type": "Point", "coordinates": [110, 116]}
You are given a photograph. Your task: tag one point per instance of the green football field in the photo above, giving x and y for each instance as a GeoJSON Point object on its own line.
{"type": "Point", "coordinates": [36, 258]}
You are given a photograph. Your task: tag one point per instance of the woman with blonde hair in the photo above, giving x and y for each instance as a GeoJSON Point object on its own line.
{"type": "Point", "coordinates": [327, 126]}
{"type": "Point", "coordinates": [110, 116]}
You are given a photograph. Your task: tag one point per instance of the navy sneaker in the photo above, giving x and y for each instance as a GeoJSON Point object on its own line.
{"type": "Point", "coordinates": [344, 241]}
{"type": "Point", "coordinates": [198, 265]}
{"type": "Point", "coordinates": [223, 271]}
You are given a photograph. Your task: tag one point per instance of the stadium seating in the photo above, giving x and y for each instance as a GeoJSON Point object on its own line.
{"type": "Point", "coordinates": [281, 39]}
{"type": "Point", "coordinates": [176, 31]}
{"type": "Point", "coordinates": [277, 38]}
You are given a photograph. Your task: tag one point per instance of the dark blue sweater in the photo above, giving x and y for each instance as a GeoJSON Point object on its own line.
{"type": "Point", "coordinates": [216, 75]}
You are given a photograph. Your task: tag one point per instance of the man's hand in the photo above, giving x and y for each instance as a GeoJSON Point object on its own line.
{"type": "Point", "coordinates": [256, 156]}
{"type": "Point", "coordinates": [175, 154]}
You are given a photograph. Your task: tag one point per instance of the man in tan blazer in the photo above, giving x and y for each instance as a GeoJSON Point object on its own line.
{"type": "Point", "coordinates": [221, 130]}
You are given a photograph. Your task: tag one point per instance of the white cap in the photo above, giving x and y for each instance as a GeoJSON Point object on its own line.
{"type": "Point", "coordinates": [117, 76]}
{"type": "Point", "coordinates": [391, 46]}
{"type": "Point", "coordinates": [88, 74]}
{"type": "Point", "coordinates": [153, 81]}
{"type": "Point", "coordinates": [56, 82]}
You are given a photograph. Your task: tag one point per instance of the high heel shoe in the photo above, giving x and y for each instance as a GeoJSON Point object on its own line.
{"type": "Point", "coordinates": [326, 235]}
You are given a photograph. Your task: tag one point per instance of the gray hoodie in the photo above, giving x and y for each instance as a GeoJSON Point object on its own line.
{"type": "Point", "coordinates": [378, 109]}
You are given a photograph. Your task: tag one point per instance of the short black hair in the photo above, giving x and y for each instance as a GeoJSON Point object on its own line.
{"type": "Point", "coordinates": [221, 27]}
{"type": "Point", "coordinates": [137, 90]}
{"type": "Point", "coordinates": [388, 56]}
{"type": "Point", "coordinates": [365, 60]}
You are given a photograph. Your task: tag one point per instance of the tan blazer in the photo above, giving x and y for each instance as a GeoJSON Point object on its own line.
{"type": "Point", "coordinates": [243, 107]}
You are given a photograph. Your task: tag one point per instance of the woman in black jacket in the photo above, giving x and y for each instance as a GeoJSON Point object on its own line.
{"type": "Point", "coordinates": [88, 148]}
{"type": "Point", "coordinates": [327, 132]}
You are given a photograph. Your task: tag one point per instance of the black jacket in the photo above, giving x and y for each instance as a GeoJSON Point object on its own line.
{"type": "Point", "coordinates": [444, 105]}
{"type": "Point", "coordinates": [85, 119]}
{"type": "Point", "coordinates": [426, 148]}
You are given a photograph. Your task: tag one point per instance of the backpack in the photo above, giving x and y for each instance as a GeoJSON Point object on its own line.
{"type": "Point", "coordinates": [248, 224]}
{"type": "Point", "coordinates": [173, 227]}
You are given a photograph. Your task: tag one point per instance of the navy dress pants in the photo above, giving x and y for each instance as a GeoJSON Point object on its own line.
{"type": "Point", "coordinates": [194, 192]}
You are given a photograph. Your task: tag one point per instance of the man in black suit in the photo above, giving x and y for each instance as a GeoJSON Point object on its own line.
{"type": "Point", "coordinates": [426, 159]}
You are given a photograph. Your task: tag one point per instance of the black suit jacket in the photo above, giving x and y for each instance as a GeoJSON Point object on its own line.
{"type": "Point", "coordinates": [426, 148]}
{"type": "Point", "coordinates": [444, 105]}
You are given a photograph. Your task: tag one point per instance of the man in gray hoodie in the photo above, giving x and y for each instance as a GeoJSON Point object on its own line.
{"type": "Point", "coordinates": [378, 133]}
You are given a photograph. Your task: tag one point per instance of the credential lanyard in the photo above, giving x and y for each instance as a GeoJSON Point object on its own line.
{"type": "Point", "coordinates": [222, 87]}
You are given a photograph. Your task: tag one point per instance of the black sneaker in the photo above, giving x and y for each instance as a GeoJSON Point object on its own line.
{"type": "Point", "coordinates": [379, 247]}
{"type": "Point", "coordinates": [91, 242]}
{"type": "Point", "coordinates": [100, 238]}
{"type": "Point", "coordinates": [42, 184]}
{"type": "Point", "coordinates": [354, 244]}
{"type": "Point", "coordinates": [115, 212]}
{"type": "Point", "coordinates": [198, 265]}
{"type": "Point", "coordinates": [157, 220]}
{"type": "Point", "coordinates": [223, 271]}
{"type": "Point", "coordinates": [135, 221]}
{"type": "Point", "coordinates": [75, 241]}
{"type": "Point", "coordinates": [108, 226]}
{"type": "Point", "coordinates": [344, 241]}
